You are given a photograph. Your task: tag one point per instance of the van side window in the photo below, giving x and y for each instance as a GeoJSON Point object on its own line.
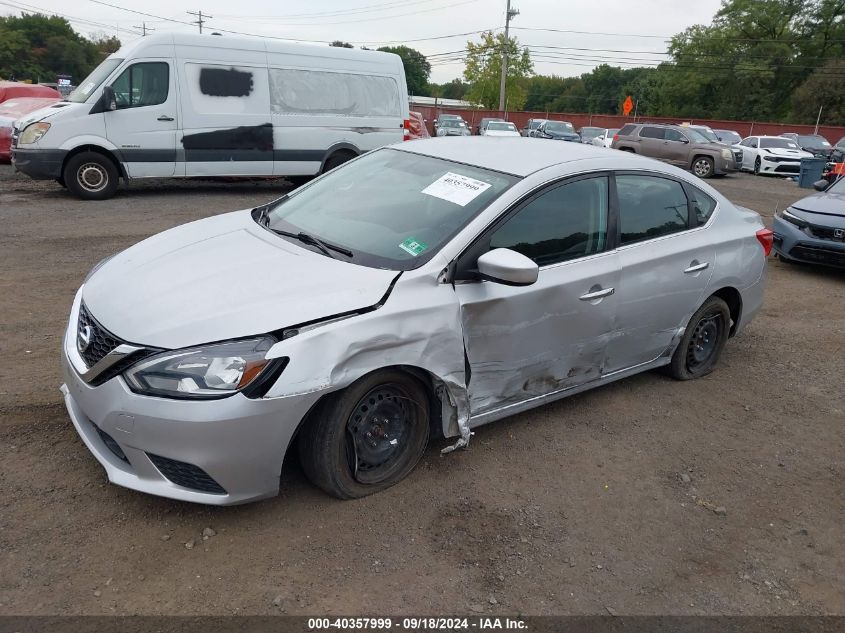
{"type": "Point", "coordinates": [142, 84]}
{"type": "Point", "coordinates": [564, 223]}
{"type": "Point", "coordinates": [294, 91]}
{"type": "Point", "coordinates": [650, 207]}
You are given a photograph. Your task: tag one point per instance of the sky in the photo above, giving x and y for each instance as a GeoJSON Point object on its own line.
{"type": "Point", "coordinates": [566, 37]}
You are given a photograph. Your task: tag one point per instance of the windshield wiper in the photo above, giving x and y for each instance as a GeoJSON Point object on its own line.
{"type": "Point", "coordinates": [307, 238]}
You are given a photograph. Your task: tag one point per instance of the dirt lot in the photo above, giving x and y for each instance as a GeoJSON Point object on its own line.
{"type": "Point", "coordinates": [575, 508]}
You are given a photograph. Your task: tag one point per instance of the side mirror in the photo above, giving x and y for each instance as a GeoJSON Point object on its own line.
{"type": "Point", "coordinates": [504, 266]}
{"type": "Point", "coordinates": [109, 100]}
{"type": "Point", "coordinates": [821, 185]}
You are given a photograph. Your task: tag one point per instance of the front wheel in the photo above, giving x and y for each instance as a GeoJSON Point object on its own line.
{"type": "Point", "coordinates": [367, 437]}
{"type": "Point", "coordinates": [757, 166]}
{"type": "Point", "coordinates": [703, 341]}
{"type": "Point", "coordinates": [703, 167]}
{"type": "Point", "coordinates": [91, 176]}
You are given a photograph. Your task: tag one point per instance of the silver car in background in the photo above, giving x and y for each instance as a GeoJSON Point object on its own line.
{"type": "Point", "coordinates": [419, 290]}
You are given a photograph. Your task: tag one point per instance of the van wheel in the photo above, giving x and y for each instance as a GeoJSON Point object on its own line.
{"type": "Point", "coordinates": [91, 176]}
{"type": "Point", "coordinates": [703, 167]}
{"type": "Point", "coordinates": [703, 341]}
{"type": "Point", "coordinates": [367, 437]}
{"type": "Point", "coordinates": [336, 160]}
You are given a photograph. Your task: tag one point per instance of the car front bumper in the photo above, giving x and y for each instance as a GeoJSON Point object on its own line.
{"type": "Point", "coordinates": [724, 166]}
{"type": "Point", "coordinates": [792, 243]}
{"type": "Point", "coordinates": [787, 167]}
{"type": "Point", "coordinates": [216, 452]}
{"type": "Point", "coordinates": [39, 164]}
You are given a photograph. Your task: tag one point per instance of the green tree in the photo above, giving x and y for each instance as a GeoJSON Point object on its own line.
{"type": "Point", "coordinates": [455, 89]}
{"type": "Point", "coordinates": [341, 44]}
{"type": "Point", "coordinates": [417, 68]}
{"type": "Point", "coordinates": [825, 89]}
{"type": "Point", "coordinates": [483, 70]}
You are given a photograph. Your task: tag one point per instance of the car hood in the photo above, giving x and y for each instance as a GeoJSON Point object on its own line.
{"type": "Point", "coordinates": [790, 153]}
{"type": "Point", "coordinates": [48, 111]}
{"type": "Point", "coordinates": [815, 208]}
{"type": "Point", "coordinates": [563, 135]}
{"type": "Point", "coordinates": [500, 133]}
{"type": "Point", "coordinates": [221, 278]}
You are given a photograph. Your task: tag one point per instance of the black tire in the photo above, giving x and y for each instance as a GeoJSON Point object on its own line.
{"type": "Point", "coordinates": [757, 166]}
{"type": "Point", "coordinates": [703, 167]}
{"type": "Point", "coordinates": [61, 181]}
{"type": "Point", "coordinates": [367, 437]}
{"type": "Point", "coordinates": [298, 181]}
{"type": "Point", "coordinates": [336, 160]}
{"type": "Point", "coordinates": [703, 341]}
{"type": "Point", "coordinates": [91, 176]}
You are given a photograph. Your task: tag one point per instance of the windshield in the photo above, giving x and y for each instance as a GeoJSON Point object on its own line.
{"type": "Point", "coordinates": [706, 133]}
{"type": "Point", "coordinates": [777, 143]}
{"type": "Point", "coordinates": [93, 81]}
{"type": "Point", "coordinates": [613, 132]}
{"type": "Point", "coordinates": [816, 142]}
{"type": "Point", "coordinates": [452, 123]}
{"type": "Point", "coordinates": [392, 209]}
{"type": "Point", "coordinates": [559, 126]}
{"type": "Point", "coordinates": [591, 132]}
{"type": "Point", "coordinates": [496, 125]}
{"type": "Point", "coordinates": [731, 138]}
{"type": "Point", "coordinates": [696, 136]}
{"type": "Point", "coordinates": [837, 187]}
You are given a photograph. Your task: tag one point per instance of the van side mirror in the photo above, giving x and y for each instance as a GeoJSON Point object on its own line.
{"type": "Point", "coordinates": [504, 266]}
{"type": "Point", "coordinates": [109, 100]}
{"type": "Point", "coordinates": [821, 185]}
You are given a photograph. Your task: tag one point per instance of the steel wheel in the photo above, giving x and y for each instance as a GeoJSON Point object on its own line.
{"type": "Point", "coordinates": [704, 341]}
{"type": "Point", "coordinates": [92, 177]}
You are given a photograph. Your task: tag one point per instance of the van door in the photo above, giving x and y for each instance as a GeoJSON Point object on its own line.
{"type": "Point", "coordinates": [145, 124]}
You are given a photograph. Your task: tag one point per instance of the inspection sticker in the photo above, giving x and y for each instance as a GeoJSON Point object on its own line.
{"type": "Point", "coordinates": [413, 246]}
{"type": "Point", "coordinates": [456, 188]}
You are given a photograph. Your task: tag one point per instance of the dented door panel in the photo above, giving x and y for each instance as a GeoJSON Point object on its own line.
{"type": "Point", "coordinates": [524, 342]}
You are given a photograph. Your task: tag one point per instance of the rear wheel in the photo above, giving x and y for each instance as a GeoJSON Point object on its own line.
{"type": "Point", "coordinates": [336, 160]}
{"type": "Point", "coordinates": [91, 176]}
{"type": "Point", "coordinates": [703, 167]}
{"type": "Point", "coordinates": [703, 341]}
{"type": "Point", "coordinates": [367, 437]}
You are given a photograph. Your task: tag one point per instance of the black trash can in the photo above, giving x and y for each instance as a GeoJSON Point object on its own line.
{"type": "Point", "coordinates": [811, 171]}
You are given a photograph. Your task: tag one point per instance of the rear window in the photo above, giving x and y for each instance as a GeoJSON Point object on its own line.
{"type": "Point", "coordinates": [627, 130]}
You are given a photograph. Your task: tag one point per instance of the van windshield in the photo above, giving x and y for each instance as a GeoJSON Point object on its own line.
{"type": "Point", "coordinates": [389, 209]}
{"type": "Point", "coordinates": [93, 81]}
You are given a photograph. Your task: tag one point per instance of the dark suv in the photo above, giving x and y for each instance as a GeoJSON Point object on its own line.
{"type": "Point", "coordinates": [679, 145]}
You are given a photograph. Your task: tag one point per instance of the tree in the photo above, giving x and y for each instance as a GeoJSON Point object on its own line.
{"type": "Point", "coordinates": [455, 89]}
{"type": "Point", "coordinates": [417, 68]}
{"type": "Point", "coordinates": [341, 44]}
{"type": "Point", "coordinates": [483, 70]}
{"type": "Point", "coordinates": [825, 89]}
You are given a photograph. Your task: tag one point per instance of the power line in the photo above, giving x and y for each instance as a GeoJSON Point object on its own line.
{"type": "Point", "coordinates": [372, 8]}
{"type": "Point", "coordinates": [199, 19]}
{"type": "Point", "coordinates": [24, 7]}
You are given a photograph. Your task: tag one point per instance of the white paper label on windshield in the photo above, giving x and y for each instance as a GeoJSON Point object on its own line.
{"type": "Point", "coordinates": [456, 188]}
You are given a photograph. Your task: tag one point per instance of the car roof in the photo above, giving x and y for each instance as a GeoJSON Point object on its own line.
{"type": "Point", "coordinates": [510, 155]}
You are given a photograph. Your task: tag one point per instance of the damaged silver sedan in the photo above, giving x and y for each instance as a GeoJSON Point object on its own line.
{"type": "Point", "coordinates": [422, 289]}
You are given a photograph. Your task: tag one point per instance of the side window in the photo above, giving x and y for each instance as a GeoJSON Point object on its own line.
{"type": "Point", "coordinates": [651, 132]}
{"type": "Point", "coordinates": [650, 207]}
{"type": "Point", "coordinates": [567, 222]}
{"type": "Point", "coordinates": [627, 129]}
{"type": "Point", "coordinates": [702, 205]}
{"type": "Point", "coordinates": [753, 143]}
{"type": "Point", "coordinates": [142, 84]}
{"type": "Point", "coordinates": [673, 135]}
{"type": "Point", "coordinates": [746, 142]}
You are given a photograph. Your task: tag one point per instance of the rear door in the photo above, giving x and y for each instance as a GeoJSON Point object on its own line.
{"type": "Point", "coordinates": [526, 342]}
{"type": "Point", "coordinates": [665, 267]}
{"type": "Point", "coordinates": [146, 122]}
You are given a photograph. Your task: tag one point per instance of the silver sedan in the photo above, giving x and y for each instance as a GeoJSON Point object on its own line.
{"type": "Point", "coordinates": [422, 289]}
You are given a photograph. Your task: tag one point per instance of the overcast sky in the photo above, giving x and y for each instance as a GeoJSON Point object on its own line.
{"type": "Point", "coordinates": [378, 22]}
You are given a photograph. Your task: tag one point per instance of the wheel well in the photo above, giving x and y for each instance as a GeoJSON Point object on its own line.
{"type": "Point", "coordinates": [428, 380]}
{"type": "Point", "coordinates": [97, 149]}
{"type": "Point", "coordinates": [344, 150]}
{"type": "Point", "coordinates": [732, 297]}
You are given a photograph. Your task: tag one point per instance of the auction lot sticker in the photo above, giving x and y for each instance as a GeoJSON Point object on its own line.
{"type": "Point", "coordinates": [456, 188]}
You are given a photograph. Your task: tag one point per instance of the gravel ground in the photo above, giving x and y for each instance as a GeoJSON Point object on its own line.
{"type": "Point", "coordinates": [604, 502]}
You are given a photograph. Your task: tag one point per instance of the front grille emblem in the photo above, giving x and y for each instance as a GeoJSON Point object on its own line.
{"type": "Point", "coordinates": [839, 233]}
{"type": "Point", "coordinates": [83, 338]}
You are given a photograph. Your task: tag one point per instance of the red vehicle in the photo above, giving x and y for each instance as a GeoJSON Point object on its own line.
{"type": "Point", "coordinates": [11, 111]}
{"type": "Point", "coordinates": [14, 89]}
{"type": "Point", "coordinates": [418, 128]}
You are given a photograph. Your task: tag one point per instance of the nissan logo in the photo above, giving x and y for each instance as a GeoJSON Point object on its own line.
{"type": "Point", "coordinates": [83, 338]}
{"type": "Point", "coordinates": [839, 233]}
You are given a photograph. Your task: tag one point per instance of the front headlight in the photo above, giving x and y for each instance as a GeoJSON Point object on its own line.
{"type": "Point", "coordinates": [794, 219]}
{"type": "Point", "coordinates": [32, 133]}
{"type": "Point", "coordinates": [727, 154]}
{"type": "Point", "coordinates": [212, 371]}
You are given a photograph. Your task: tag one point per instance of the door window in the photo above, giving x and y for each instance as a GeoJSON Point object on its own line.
{"type": "Point", "coordinates": [702, 205]}
{"type": "Point", "coordinates": [142, 84]}
{"type": "Point", "coordinates": [564, 223]}
{"type": "Point", "coordinates": [652, 132]}
{"type": "Point", "coordinates": [673, 135]}
{"type": "Point", "coordinates": [650, 207]}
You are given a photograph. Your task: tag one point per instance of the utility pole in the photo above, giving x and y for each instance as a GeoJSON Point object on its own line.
{"type": "Point", "coordinates": [199, 19]}
{"type": "Point", "coordinates": [143, 28]}
{"type": "Point", "coordinates": [818, 119]}
{"type": "Point", "coordinates": [509, 14]}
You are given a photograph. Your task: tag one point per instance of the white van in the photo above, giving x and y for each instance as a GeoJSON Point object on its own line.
{"type": "Point", "coordinates": [182, 105]}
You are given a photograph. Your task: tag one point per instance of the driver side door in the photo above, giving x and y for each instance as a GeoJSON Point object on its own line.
{"type": "Point", "coordinates": [526, 342]}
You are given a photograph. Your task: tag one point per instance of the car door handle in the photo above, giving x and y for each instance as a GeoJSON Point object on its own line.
{"type": "Point", "coordinates": [164, 117]}
{"type": "Point", "coordinates": [694, 267]}
{"type": "Point", "coordinates": [597, 294]}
